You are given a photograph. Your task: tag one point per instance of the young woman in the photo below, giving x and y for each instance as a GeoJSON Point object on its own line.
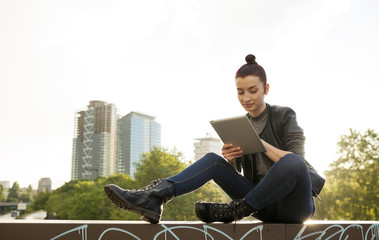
{"type": "Point", "coordinates": [275, 185]}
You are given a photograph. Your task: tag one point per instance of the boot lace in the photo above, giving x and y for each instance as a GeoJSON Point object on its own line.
{"type": "Point", "coordinates": [149, 186]}
{"type": "Point", "coordinates": [233, 211]}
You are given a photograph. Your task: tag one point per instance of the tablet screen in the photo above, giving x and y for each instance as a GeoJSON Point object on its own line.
{"type": "Point", "coordinates": [240, 132]}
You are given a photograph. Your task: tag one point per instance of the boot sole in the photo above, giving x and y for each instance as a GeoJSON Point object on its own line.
{"type": "Point", "coordinates": [123, 204]}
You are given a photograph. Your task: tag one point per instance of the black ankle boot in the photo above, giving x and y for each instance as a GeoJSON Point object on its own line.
{"type": "Point", "coordinates": [147, 202]}
{"type": "Point", "coordinates": [223, 212]}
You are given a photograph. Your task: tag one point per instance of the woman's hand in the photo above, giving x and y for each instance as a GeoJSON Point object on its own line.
{"type": "Point", "coordinates": [230, 153]}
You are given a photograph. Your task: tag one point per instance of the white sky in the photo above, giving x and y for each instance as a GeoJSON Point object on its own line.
{"type": "Point", "coordinates": [176, 60]}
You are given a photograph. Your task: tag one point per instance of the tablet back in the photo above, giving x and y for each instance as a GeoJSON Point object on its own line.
{"type": "Point", "coordinates": [240, 132]}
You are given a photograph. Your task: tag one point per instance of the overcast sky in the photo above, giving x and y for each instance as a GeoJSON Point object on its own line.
{"type": "Point", "coordinates": [176, 60]}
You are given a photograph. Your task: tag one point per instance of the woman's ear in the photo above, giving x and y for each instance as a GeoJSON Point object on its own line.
{"type": "Point", "coordinates": [267, 87]}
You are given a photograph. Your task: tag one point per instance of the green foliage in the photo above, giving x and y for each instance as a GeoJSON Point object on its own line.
{"type": "Point", "coordinates": [13, 194]}
{"type": "Point", "coordinates": [2, 193]}
{"type": "Point", "coordinates": [40, 201]}
{"type": "Point", "coordinates": [350, 191]}
{"type": "Point", "coordinates": [87, 200]}
{"type": "Point", "coordinates": [27, 195]}
{"type": "Point", "coordinates": [158, 163]}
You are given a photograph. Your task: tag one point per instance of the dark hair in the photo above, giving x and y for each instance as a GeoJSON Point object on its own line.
{"type": "Point", "coordinates": [252, 68]}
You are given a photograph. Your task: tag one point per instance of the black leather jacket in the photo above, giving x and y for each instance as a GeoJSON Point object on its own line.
{"type": "Point", "coordinates": [281, 131]}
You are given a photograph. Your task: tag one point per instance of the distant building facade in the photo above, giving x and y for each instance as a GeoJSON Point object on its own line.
{"type": "Point", "coordinates": [207, 144]}
{"type": "Point", "coordinates": [137, 133]}
{"type": "Point", "coordinates": [5, 184]}
{"type": "Point", "coordinates": [44, 185]}
{"type": "Point", "coordinates": [94, 143]}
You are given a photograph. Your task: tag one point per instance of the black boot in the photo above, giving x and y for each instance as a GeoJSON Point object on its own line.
{"type": "Point", "coordinates": [223, 212]}
{"type": "Point", "coordinates": [147, 202]}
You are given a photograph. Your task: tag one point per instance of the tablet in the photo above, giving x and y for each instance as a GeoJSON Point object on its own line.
{"type": "Point", "coordinates": [240, 132]}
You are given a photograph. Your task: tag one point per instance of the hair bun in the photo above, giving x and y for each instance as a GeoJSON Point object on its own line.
{"type": "Point", "coordinates": [250, 59]}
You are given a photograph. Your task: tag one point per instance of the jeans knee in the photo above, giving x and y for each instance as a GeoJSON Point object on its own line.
{"type": "Point", "coordinates": [293, 163]}
{"type": "Point", "coordinates": [212, 157]}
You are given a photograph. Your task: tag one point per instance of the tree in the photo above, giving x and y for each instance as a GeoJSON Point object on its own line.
{"type": "Point", "coordinates": [158, 163]}
{"type": "Point", "coordinates": [2, 193]}
{"type": "Point", "coordinates": [351, 192]}
{"type": "Point", "coordinates": [86, 200]}
{"type": "Point", "coordinates": [27, 195]}
{"type": "Point", "coordinates": [40, 201]}
{"type": "Point", "coordinates": [14, 192]}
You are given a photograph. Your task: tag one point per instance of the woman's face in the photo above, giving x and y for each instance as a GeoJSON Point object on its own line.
{"type": "Point", "coordinates": [251, 94]}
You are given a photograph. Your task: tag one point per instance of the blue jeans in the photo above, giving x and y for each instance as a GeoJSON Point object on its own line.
{"type": "Point", "coordinates": [283, 195]}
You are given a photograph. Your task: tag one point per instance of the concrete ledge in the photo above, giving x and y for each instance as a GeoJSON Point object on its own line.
{"type": "Point", "coordinates": [166, 230]}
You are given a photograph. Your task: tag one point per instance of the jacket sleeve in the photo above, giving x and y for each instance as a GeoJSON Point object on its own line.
{"type": "Point", "coordinates": [292, 135]}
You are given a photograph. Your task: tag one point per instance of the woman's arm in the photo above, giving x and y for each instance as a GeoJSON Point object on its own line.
{"type": "Point", "coordinates": [289, 136]}
{"type": "Point", "coordinates": [292, 134]}
{"type": "Point", "coordinates": [274, 153]}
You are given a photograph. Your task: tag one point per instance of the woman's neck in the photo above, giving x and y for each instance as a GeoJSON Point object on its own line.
{"type": "Point", "coordinates": [258, 112]}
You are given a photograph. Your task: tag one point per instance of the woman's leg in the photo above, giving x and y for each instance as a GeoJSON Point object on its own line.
{"type": "Point", "coordinates": [284, 194]}
{"type": "Point", "coordinates": [149, 200]}
{"type": "Point", "coordinates": [211, 167]}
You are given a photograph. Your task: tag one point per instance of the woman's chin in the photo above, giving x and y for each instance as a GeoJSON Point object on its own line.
{"type": "Point", "coordinates": [249, 109]}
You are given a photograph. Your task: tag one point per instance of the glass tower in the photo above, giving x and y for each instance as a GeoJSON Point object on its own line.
{"type": "Point", "coordinates": [137, 133]}
{"type": "Point", "coordinates": [94, 143]}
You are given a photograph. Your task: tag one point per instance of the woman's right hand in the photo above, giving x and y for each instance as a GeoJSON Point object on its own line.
{"type": "Point", "coordinates": [230, 153]}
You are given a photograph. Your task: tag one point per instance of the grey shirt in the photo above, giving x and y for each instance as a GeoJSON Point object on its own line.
{"type": "Point", "coordinates": [262, 164]}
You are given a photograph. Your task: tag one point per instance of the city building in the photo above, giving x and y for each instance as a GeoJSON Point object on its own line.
{"type": "Point", "coordinates": [5, 184]}
{"type": "Point", "coordinates": [94, 143]}
{"type": "Point", "coordinates": [137, 133]}
{"type": "Point", "coordinates": [207, 144]}
{"type": "Point", "coordinates": [44, 185]}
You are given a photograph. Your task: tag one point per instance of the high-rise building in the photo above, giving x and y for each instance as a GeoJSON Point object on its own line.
{"type": "Point", "coordinates": [44, 185]}
{"type": "Point", "coordinates": [207, 144]}
{"type": "Point", "coordinates": [137, 133]}
{"type": "Point", "coordinates": [94, 143]}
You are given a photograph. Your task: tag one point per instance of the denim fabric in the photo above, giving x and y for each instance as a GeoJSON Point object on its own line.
{"type": "Point", "coordinates": [283, 195]}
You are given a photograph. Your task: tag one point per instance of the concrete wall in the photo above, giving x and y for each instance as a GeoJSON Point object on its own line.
{"type": "Point", "coordinates": [114, 230]}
